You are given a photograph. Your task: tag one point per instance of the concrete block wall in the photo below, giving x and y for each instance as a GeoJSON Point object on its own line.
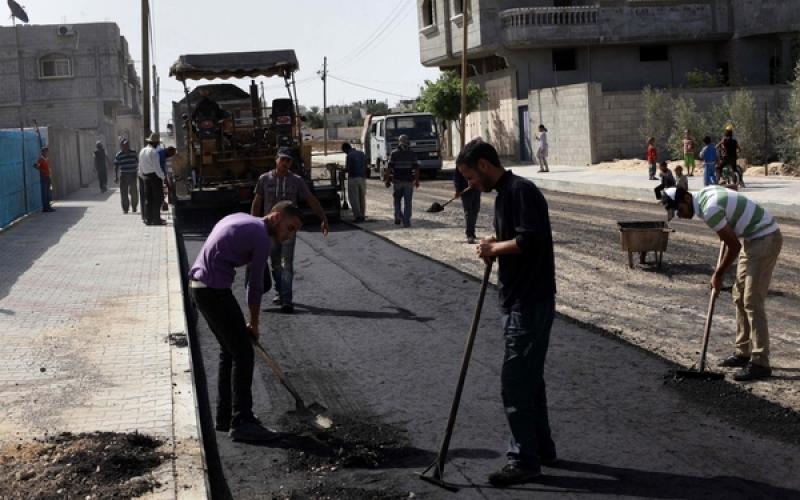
{"type": "Point", "coordinates": [566, 113]}
{"type": "Point", "coordinates": [617, 115]}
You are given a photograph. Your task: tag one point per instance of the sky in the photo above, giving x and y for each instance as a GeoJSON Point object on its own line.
{"type": "Point", "coordinates": [372, 43]}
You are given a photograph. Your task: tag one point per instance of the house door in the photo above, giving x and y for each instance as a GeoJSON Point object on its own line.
{"type": "Point", "coordinates": [525, 150]}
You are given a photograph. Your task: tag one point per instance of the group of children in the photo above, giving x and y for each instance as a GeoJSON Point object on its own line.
{"type": "Point", "coordinates": [712, 164]}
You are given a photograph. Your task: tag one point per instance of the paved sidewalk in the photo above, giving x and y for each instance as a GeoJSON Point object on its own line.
{"type": "Point", "coordinates": [89, 298]}
{"type": "Point", "coordinates": [779, 195]}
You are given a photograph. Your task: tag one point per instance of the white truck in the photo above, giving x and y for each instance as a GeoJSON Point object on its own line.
{"type": "Point", "coordinates": [380, 135]}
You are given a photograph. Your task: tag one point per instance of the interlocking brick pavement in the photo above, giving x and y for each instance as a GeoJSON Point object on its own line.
{"type": "Point", "coordinates": [88, 298]}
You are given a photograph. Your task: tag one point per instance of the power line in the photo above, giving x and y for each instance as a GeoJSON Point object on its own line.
{"type": "Point", "coordinates": [376, 43]}
{"type": "Point", "coordinates": [369, 88]}
{"type": "Point", "coordinates": [386, 21]}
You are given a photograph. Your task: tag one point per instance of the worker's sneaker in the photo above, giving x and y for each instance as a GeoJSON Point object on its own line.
{"type": "Point", "coordinates": [287, 308]}
{"type": "Point", "coordinates": [752, 372]}
{"type": "Point", "coordinates": [397, 221]}
{"type": "Point", "coordinates": [277, 301]}
{"type": "Point", "coordinates": [251, 430]}
{"type": "Point", "coordinates": [514, 473]}
{"type": "Point", "coordinates": [735, 361]}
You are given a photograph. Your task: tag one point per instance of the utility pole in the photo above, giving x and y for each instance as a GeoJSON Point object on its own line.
{"type": "Point", "coordinates": [156, 100]}
{"type": "Point", "coordinates": [146, 69]}
{"type": "Point", "coordinates": [465, 14]}
{"type": "Point", "coordinates": [324, 75]}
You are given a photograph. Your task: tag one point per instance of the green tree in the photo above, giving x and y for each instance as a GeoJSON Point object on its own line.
{"type": "Point", "coordinates": [686, 116]}
{"type": "Point", "coordinates": [377, 108]}
{"type": "Point", "coordinates": [442, 98]}
{"type": "Point", "coordinates": [313, 117]}
{"type": "Point", "coordinates": [788, 129]}
{"type": "Point", "coordinates": [740, 111]}
{"type": "Point", "coordinates": [656, 120]}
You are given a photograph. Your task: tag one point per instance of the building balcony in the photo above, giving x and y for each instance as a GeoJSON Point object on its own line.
{"type": "Point", "coordinates": [534, 27]}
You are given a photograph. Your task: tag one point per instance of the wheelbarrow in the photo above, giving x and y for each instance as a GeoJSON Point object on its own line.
{"type": "Point", "coordinates": [643, 237]}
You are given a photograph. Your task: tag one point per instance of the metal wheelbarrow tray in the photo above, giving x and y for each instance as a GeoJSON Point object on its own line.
{"type": "Point", "coordinates": [643, 237]}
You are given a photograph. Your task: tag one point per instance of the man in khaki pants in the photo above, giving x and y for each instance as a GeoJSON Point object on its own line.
{"type": "Point", "coordinates": [734, 216]}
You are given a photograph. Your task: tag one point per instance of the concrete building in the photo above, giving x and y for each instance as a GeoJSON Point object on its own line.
{"type": "Point", "coordinates": [517, 49]}
{"type": "Point", "coordinates": [77, 76]}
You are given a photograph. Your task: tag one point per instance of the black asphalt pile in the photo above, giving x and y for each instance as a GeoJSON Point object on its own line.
{"type": "Point", "coordinates": [349, 444]}
{"type": "Point", "coordinates": [96, 465]}
{"type": "Point", "coordinates": [324, 491]}
{"type": "Point", "coordinates": [737, 405]}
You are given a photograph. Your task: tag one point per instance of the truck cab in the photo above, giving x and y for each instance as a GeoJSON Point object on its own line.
{"type": "Point", "coordinates": [380, 137]}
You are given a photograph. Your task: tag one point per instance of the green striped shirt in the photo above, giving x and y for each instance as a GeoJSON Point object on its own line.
{"type": "Point", "coordinates": [720, 207]}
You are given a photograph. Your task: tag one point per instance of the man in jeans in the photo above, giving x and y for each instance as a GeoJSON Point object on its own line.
{"type": "Point", "coordinates": [272, 187]}
{"type": "Point", "coordinates": [126, 167]}
{"type": "Point", "coordinates": [732, 216]}
{"type": "Point", "coordinates": [238, 240]}
{"type": "Point", "coordinates": [356, 165]}
{"type": "Point", "coordinates": [523, 246]}
{"type": "Point", "coordinates": [403, 172]}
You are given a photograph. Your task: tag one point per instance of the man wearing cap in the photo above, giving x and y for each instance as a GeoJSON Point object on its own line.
{"type": "Point", "coordinates": [150, 170]}
{"type": "Point", "coordinates": [43, 166]}
{"type": "Point", "coordinates": [403, 172]}
{"type": "Point", "coordinates": [126, 167]}
{"type": "Point", "coordinates": [734, 216]}
{"type": "Point", "coordinates": [238, 240]}
{"type": "Point", "coordinates": [272, 187]}
{"type": "Point", "coordinates": [101, 165]}
{"type": "Point", "coordinates": [356, 166]}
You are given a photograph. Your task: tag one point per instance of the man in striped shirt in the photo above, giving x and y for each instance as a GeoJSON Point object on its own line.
{"type": "Point", "coordinates": [126, 166]}
{"type": "Point", "coordinates": [734, 216]}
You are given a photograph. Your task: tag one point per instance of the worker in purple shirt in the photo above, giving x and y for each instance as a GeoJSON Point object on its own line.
{"type": "Point", "coordinates": [238, 240]}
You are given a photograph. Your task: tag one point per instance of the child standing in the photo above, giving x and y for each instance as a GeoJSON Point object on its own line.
{"type": "Point", "coordinates": [688, 153]}
{"type": "Point", "coordinates": [652, 157]}
{"type": "Point", "coordinates": [681, 180]}
{"type": "Point", "coordinates": [709, 156]}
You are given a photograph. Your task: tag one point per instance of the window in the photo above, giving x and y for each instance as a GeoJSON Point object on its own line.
{"type": "Point", "coordinates": [564, 60]}
{"type": "Point", "coordinates": [428, 11]}
{"type": "Point", "coordinates": [418, 127]}
{"type": "Point", "coordinates": [458, 7]}
{"type": "Point", "coordinates": [55, 66]}
{"type": "Point", "coordinates": [653, 53]}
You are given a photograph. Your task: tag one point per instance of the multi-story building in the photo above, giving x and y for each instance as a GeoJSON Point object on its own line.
{"type": "Point", "coordinates": [519, 47]}
{"type": "Point", "coordinates": [78, 76]}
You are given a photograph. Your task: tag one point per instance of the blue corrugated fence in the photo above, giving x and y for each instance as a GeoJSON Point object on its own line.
{"type": "Point", "coordinates": [17, 176]}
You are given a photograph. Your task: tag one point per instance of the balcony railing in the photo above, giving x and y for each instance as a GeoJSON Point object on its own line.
{"type": "Point", "coordinates": [554, 26]}
{"type": "Point", "coordinates": [550, 16]}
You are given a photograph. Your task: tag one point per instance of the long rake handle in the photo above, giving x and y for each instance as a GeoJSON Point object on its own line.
{"type": "Point", "coordinates": [276, 369]}
{"type": "Point", "coordinates": [451, 420]}
{"type": "Point", "coordinates": [710, 314]}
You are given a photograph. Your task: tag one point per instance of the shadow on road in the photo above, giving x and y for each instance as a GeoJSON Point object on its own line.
{"type": "Point", "coordinates": [398, 313]}
{"type": "Point", "coordinates": [621, 481]}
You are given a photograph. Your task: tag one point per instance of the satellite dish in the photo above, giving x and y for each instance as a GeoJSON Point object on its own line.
{"type": "Point", "coordinates": [17, 11]}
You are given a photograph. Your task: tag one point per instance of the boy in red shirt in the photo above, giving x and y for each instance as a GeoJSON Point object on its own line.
{"type": "Point", "coordinates": [652, 157]}
{"type": "Point", "coordinates": [43, 166]}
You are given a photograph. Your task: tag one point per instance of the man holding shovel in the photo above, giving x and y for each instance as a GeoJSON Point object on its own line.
{"type": "Point", "coordinates": [238, 240]}
{"type": "Point", "coordinates": [523, 246]}
{"type": "Point", "coordinates": [733, 216]}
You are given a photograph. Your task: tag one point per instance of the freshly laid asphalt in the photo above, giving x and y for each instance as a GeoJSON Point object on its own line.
{"type": "Point", "coordinates": [378, 336]}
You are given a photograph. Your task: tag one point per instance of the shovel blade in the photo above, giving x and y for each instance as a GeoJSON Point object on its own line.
{"type": "Point", "coordinates": [436, 207]}
{"type": "Point", "coordinates": [698, 375]}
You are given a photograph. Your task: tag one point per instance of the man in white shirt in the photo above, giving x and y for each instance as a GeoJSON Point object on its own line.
{"type": "Point", "coordinates": [150, 170]}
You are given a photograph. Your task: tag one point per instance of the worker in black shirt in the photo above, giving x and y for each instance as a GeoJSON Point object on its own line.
{"type": "Point", "coordinates": [207, 109]}
{"type": "Point", "coordinates": [523, 246]}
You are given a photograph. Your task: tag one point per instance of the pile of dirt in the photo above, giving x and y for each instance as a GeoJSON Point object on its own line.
{"type": "Point", "coordinates": [86, 466]}
{"type": "Point", "coordinates": [775, 168]}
